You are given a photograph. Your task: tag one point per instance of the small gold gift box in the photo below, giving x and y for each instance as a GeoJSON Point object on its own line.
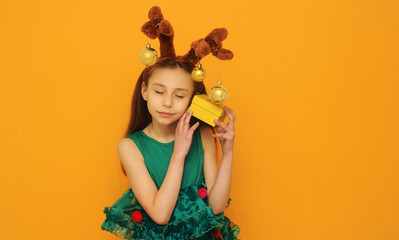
{"type": "Point", "coordinates": [206, 110]}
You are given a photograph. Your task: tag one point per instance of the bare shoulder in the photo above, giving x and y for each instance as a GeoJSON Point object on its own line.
{"type": "Point", "coordinates": [206, 135]}
{"type": "Point", "coordinates": [127, 147]}
{"type": "Point", "coordinates": [206, 129]}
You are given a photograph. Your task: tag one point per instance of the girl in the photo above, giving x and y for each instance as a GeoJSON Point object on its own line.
{"type": "Point", "coordinates": [169, 158]}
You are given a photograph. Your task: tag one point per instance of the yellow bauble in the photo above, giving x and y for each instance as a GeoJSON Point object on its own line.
{"type": "Point", "coordinates": [148, 55]}
{"type": "Point", "coordinates": [218, 93]}
{"type": "Point", "coordinates": [198, 73]}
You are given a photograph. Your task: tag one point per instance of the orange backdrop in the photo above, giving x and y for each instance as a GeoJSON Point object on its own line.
{"type": "Point", "coordinates": [314, 85]}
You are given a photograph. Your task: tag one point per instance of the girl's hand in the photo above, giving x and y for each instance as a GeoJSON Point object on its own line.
{"type": "Point", "coordinates": [226, 133]}
{"type": "Point", "coordinates": [184, 134]}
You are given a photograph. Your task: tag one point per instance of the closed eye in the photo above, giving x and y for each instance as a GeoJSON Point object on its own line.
{"type": "Point", "coordinates": [176, 95]}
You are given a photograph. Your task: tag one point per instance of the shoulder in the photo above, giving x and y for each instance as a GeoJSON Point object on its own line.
{"type": "Point", "coordinates": [205, 129]}
{"type": "Point", "coordinates": [206, 136]}
{"type": "Point", "coordinates": [127, 149]}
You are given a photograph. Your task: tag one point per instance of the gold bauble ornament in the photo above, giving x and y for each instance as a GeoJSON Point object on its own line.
{"type": "Point", "coordinates": [218, 93]}
{"type": "Point", "coordinates": [148, 55]}
{"type": "Point", "coordinates": [198, 73]}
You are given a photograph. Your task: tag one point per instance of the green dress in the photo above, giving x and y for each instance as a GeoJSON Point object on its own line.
{"type": "Point", "coordinates": [192, 217]}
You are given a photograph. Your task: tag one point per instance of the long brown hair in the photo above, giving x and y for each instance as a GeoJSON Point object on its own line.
{"type": "Point", "coordinates": [139, 116]}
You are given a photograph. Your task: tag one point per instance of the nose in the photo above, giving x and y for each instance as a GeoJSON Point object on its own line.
{"type": "Point", "coordinates": [168, 101]}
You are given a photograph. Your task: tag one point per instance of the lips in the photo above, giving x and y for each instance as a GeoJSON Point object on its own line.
{"type": "Point", "coordinates": [165, 114]}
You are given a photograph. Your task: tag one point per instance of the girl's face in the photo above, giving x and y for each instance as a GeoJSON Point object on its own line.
{"type": "Point", "coordinates": [168, 94]}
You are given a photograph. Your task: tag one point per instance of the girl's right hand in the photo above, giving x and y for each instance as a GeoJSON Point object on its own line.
{"type": "Point", "coordinates": [184, 134]}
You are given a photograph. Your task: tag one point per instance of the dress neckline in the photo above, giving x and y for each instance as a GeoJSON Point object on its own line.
{"type": "Point", "coordinates": [145, 135]}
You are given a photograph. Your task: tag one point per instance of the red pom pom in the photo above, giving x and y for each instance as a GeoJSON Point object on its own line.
{"type": "Point", "coordinates": [216, 234]}
{"type": "Point", "coordinates": [202, 193]}
{"type": "Point", "coordinates": [137, 216]}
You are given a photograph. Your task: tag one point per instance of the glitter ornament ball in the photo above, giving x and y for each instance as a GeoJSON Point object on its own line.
{"type": "Point", "coordinates": [148, 55]}
{"type": "Point", "coordinates": [198, 73]}
{"type": "Point", "coordinates": [218, 93]}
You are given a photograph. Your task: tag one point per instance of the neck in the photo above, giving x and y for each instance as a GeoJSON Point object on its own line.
{"type": "Point", "coordinates": [164, 133]}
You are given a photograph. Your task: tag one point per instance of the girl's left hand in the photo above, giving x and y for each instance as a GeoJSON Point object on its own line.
{"type": "Point", "coordinates": [226, 133]}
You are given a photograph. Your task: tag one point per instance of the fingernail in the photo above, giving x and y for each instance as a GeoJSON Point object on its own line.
{"type": "Point", "coordinates": [191, 111]}
{"type": "Point", "coordinates": [215, 121]}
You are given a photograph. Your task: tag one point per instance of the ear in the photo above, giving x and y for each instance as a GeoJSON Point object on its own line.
{"type": "Point", "coordinates": [144, 91]}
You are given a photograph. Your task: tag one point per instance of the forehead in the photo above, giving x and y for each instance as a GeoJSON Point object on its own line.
{"type": "Point", "coordinates": [172, 78]}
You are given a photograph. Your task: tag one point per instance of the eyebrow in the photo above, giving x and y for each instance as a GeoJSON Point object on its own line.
{"type": "Point", "coordinates": [183, 89]}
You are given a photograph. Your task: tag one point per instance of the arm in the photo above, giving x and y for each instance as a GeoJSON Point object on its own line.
{"type": "Point", "coordinates": [219, 184]}
{"type": "Point", "coordinates": [158, 204]}
{"type": "Point", "coordinates": [217, 181]}
{"type": "Point", "coordinates": [220, 193]}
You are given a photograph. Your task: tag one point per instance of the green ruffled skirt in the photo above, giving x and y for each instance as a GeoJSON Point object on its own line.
{"type": "Point", "coordinates": [192, 218]}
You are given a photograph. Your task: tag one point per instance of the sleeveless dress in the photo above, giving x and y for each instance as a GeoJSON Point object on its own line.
{"type": "Point", "coordinates": [192, 217]}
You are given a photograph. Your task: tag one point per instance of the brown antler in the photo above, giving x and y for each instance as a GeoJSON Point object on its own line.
{"type": "Point", "coordinates": [158, 27]}
{"type": "Point", "coordinates": [212, 43]}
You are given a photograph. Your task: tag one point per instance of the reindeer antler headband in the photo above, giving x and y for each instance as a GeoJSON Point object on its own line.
{"type": "Point", "coordinates": [158, 27]}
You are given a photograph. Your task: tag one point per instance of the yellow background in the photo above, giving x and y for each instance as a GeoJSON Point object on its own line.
{"type": "Point", "coordinates": [314, 85]}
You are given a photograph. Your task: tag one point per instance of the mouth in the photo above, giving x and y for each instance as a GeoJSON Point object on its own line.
{"type": "Point", "coordinates": [165, 114]}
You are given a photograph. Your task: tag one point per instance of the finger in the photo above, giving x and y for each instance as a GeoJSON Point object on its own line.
{"type": "Point", "coordinates": [192, 129]}
{"type": "Point", "coordinates": [188, 116]}
{"type": "Point", "coordinates": [218, 135]}
{"type": "Point", "coordinates": [187, 120]}
{"type": "Point", "coordinates": [181, 121]}
{"type": "Point", "coordinates": [226, 136]}
{"type": "Point", "coordinates": [219, 129]}
{"type": "Point", "coordinates": [231, 116]}
{"type": "Point", "coordinates": [223, 125]}
{"type": "Point", "coordinates": [230, 113]}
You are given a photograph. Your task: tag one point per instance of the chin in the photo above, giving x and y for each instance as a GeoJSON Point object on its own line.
{"type": "Point", "coordinates": [166, 121]}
